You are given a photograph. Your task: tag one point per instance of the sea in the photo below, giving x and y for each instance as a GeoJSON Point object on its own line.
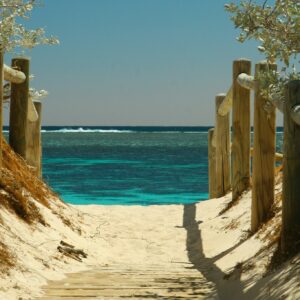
{"type": "Point", "coordinates": [127, 165]}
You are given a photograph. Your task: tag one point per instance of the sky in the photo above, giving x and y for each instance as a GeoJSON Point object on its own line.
{"type": "Point", "coordinates": [135, 62]}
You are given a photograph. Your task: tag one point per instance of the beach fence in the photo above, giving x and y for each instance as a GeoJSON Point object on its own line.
{"type": "Point", "coordinates": [25, 113]}
{"type": "Point", "coordinates": [229, 160]}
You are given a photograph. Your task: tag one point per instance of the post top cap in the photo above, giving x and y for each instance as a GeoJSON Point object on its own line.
{"type": "Point", "coordinates": [21, 58]}
{"type": "Point", "coordinates": [221, 95]}
{"type": "Point", "coordinates": [243, 59]}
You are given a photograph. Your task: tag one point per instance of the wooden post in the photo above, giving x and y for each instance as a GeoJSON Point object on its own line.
{"type": "Point", "coordinates": [291, 172]}
{"type": "Point", "coordinates": [211, 165]}
{"type": "Point", "coordinates": [1, 99]}
{"type": "Point", "coordinates": [19, 109]}
{"type": "Point", "coordinates": [263, 163]}
{"type": "Point", "coordinates": [222, 139]}
{"type": "Point", "coordinates": [34, 145]}
{"type": "Point", "coordinates": [240, 151]}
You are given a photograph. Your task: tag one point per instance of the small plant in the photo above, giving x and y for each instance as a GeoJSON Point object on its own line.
{"type": "Point", "coordinates": [276, 27]}
{"type": "Point", "coordinates": [16, 38]}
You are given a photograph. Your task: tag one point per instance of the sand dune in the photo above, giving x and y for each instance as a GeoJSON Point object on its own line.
{"type": "Point", "coordinates": [160, 247]}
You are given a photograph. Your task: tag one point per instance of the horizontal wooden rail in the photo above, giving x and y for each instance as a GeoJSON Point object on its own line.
{"type": "Point", "coordinates": [295, 114]}
{"type": "Point", "coordinates": [13, 75]}
{"type": "Point", "coordinates": [278, 156]}
{"type": "Point", "coordinates": [32, 112]}
{"type": "Point", "coordinates": [18, 77]}
{"type": "Point", "coordinates": [246, 81]}
{"type": "Point", "coordinates": [226, 105]}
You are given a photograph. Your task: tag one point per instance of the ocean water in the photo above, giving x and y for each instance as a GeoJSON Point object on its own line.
{"type": "Point", "coordinates": [128, 165]}
{"type": "Point", "coordinates": [133, 165]}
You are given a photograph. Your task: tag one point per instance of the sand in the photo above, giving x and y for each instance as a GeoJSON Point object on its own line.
{"type": "Point", "coordinates": [174, 241]}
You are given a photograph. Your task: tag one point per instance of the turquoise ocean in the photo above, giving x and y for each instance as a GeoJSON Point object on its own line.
{"type": "Point", "coordinates": [127, 165]}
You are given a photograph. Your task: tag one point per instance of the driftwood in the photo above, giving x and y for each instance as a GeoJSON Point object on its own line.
{"type": "Point", "coordinates": [70, 251]}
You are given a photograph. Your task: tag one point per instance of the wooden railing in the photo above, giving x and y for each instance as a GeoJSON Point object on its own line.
{"type": "Point", "coordinates": [24, 120]}
{"type": "Point", "coordinates": [263, 152]}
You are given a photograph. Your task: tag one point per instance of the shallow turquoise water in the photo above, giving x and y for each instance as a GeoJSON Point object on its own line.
{"type": "Point", "coordinates": [137, 166]}
{"type": "Point", "coordinates": [127, 166]}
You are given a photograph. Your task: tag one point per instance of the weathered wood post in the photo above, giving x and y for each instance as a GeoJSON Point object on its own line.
{"type": "Point", "coordinates": [291, 172]}
{"type": "Point", "coordinates": [222, 140]}
{"type": "Point", "coordinates": [1, 98]}
{"type": "Point", "coordinates": [240, 151]}
{"type": "Point", "coordinates": [19, 109]}
{"type": "Point", "coordinates": [211, 165]}
{"type": "Point", "coordinates": [264, 148]}
{"type": "Point", "coordinates": [34, 143]}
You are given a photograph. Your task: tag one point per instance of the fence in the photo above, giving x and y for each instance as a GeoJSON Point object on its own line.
{"type": "Point", "coordinates": [25, 114]}
{"type": "Point", "coordinates": [263, 152]}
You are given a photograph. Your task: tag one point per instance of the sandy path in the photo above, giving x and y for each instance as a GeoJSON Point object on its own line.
{"type": "Point", "coordinates": [143, 256]}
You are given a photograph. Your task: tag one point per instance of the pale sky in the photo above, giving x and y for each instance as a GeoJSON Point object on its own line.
{"type": "Point", "coordinates": [135, 62]}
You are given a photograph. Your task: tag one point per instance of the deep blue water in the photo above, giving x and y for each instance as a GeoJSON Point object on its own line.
{"type": "Point", "coordinates": [127, 165]}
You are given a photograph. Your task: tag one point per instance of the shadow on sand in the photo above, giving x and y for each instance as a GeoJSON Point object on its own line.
{"type": "Point", "coordinates": [205, 265]}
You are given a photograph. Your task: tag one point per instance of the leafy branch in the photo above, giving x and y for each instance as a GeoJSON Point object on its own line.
{"type": "Point", "coordinates": [277, 29]}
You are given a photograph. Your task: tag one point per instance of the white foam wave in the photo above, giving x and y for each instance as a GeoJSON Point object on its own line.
{"type": "Point", "coordinates": [69, 130]}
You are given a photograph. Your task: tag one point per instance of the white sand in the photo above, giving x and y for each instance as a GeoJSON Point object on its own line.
{"type": "Point", "coordinates": [174, 236]}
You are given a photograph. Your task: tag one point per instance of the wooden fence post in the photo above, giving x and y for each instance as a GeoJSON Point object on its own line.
{"type": "Point", "coordinates": [240, 151]}
{"type": "Point", "coordinates": [34, 144]}
{"type": "Point", "coordinates": [290, 232]}
{"type": "Point", "coordinates": [1, 99]}
{"type": "Point", "coordinates": [222, 139]}
{"type": "Point", "coordinates": [19, 109]}
{"type": "Point", "coordinates": [211, 165]}
{"type": "Point", "coordinates": [263, 163]}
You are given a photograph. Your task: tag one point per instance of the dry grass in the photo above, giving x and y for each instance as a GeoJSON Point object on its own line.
{"type": "Point", "coordinates": [234, 224]}
{"type": "Point", "coordinates": [18, 185]}
{"type": "Point", "coordinates": [25, 176]}
{"type": "Point", "coordinates": [233, 203]}
{"type": "Point", "coordinates": [7, 260]}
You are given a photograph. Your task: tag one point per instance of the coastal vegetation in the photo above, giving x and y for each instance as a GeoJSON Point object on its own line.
{"type": "Point", "coordinates": [275, 25]}
{"type": "Point", "coordinates": [14, 36]}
